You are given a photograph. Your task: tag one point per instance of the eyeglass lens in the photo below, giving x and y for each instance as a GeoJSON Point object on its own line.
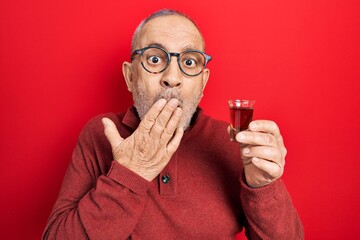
{"type": "Point", "coordinates": [156, 60]}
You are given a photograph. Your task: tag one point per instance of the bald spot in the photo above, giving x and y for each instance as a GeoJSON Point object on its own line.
{"type": "Point", "coordinates": [171, 32]}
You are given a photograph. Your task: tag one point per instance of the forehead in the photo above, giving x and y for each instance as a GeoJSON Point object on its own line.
{"type": "Point", "coordinates": [174, 32]}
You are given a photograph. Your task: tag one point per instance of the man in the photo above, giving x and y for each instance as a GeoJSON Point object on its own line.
{"type": "Point", "coordinates": [163, 169]}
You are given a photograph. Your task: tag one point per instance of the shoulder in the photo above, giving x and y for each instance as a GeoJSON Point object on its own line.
{"type": "Point", "coordinates": [94, 127]}
{"type": "Point", "coordinates": [96, 121]}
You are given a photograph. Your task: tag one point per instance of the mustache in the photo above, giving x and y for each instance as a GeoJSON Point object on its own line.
{"type": "Point", "coordinates": [168, 94]}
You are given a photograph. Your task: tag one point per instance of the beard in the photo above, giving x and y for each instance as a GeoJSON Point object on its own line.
{"type": "Point", "coordinates": [143, 103]}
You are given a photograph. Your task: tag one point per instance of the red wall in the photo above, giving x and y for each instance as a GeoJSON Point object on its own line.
{"type": "Point", "coordinates": [60, 64]}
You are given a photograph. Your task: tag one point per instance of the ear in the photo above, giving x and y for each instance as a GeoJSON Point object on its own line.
{"type": "Point", "coordinates": [128, 75]}
{"type": "Point", "coordinates": [205, 77]}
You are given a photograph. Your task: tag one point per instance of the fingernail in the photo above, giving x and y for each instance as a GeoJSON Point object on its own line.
{"type": "Point", "coordinates": [161, 102]}
{"type": "Point", "coordinates": [180, 129]}
{"type": "Point", "coordinates": [174, 102]}
{"type": "Point", "coordinates": [105, 121]}
{"type": "Point", "coordinates": [240, 137]}
{"type": "Point", "coordinates": [178, 111]}
{"type": "Point", "coordinates": [253, 126]}
{"type": "Point", "coordinates": [246, 151]}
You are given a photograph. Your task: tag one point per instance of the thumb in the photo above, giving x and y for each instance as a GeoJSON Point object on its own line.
{"type": "Point", "coordinates": [111, 133]}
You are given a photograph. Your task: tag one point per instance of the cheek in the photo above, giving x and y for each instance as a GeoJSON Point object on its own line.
{"type": "Point", "coordinates": [149, 83]}
{"type": "Point", "coordinates": [192, 88]}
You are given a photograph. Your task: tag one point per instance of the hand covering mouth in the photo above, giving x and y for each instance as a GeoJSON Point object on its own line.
{"type": "Point", "coordinates": [168, 94]}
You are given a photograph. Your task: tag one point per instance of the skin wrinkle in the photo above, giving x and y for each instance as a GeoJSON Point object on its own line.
{"type": "Point", "coordinates": [164, 12]}
{"type": "Point", "coordinates": [183, 49]}
{"type": "Point", "coordinates": [163, 29]}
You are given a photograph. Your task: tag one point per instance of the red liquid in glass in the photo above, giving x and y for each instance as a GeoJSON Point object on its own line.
{"type": "Point", "coordinates": [240, 119]}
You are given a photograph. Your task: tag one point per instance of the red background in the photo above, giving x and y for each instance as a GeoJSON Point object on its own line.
{"type": "Point", "coordinates": [60, 64]}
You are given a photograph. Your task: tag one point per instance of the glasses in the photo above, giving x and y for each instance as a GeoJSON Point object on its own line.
{"type": "Point", "coordinates": [155, 60]}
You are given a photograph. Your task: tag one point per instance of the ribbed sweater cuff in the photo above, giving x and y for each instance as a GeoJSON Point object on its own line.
{"type": "Point", "coordinates": [274, 190]}
{"type": "Point", "coordinates": [128, 179]}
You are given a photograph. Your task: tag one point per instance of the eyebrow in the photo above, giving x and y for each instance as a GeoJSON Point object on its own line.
{"type": "Point", "coordinates": [185, 48]}
{"type": "Point", "coordinates": [156, 44]}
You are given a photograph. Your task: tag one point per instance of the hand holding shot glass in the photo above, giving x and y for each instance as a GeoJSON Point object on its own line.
{"type": "Point", "coordinates": [241, 114]}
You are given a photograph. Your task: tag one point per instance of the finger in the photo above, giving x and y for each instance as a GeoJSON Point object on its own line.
{"type": "Point", "coordinates": [172, 125]}
{"type": "Point", "coordinates": [112, 133]}
{"type": "Point", "coordinates": [245, 160]}
{"type": "Point", "coordinates": [271, 168]}
{"type": "Point", "coordinates": [281, 142]}
{"type": "Point", "coordinates": [267, 153]}
{"type": "Point", "coordinates": [175, 141]}
{"type": "Point", "coordinates": [266, 126]}
{"type": "Point", "coordinates": [164, 117]}
{"type": "Point", "coordinates": [256, 138]}
{"type": "Point", "coordinates": [149, 119]}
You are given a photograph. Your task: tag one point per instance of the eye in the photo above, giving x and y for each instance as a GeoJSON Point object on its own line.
{"type": "Point", "coordinates": [154, 60]}
{"type": "Point", "coordinates": [190, 63]}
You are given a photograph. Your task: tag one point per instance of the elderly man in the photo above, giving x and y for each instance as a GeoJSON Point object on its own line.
{"type": "Point", "coordinates": [163, 169]}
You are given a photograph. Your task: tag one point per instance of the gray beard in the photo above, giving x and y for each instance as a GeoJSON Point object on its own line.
{"type": "Point", "coordinates": [143, 103]}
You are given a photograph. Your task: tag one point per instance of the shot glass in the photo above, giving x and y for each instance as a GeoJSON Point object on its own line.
{"type": "Point", "coordinates": [241, 114]}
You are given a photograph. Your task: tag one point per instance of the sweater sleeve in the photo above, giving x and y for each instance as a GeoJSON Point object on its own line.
{"type": "Point", "coordinates": [93, 204]}
{"type": "Point", "coordinates": [270, 213]}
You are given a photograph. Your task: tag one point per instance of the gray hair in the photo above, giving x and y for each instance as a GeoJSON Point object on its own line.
{"type": "Point", "coordinates": [160, 13]}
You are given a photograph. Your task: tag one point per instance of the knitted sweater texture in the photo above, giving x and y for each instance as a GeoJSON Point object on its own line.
{"type": "Point", "coordinates": [200, 194]}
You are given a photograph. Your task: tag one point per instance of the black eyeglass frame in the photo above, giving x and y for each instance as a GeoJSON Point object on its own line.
{"type": "Point", "coordinates": [169, 55]}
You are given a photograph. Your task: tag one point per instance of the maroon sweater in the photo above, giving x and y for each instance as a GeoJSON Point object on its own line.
{"type": "Point", "coordinates": [201, 193]}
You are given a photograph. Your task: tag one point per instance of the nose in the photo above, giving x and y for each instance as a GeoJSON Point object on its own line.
{"type": "Point", "coordinates": [172, 76]}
